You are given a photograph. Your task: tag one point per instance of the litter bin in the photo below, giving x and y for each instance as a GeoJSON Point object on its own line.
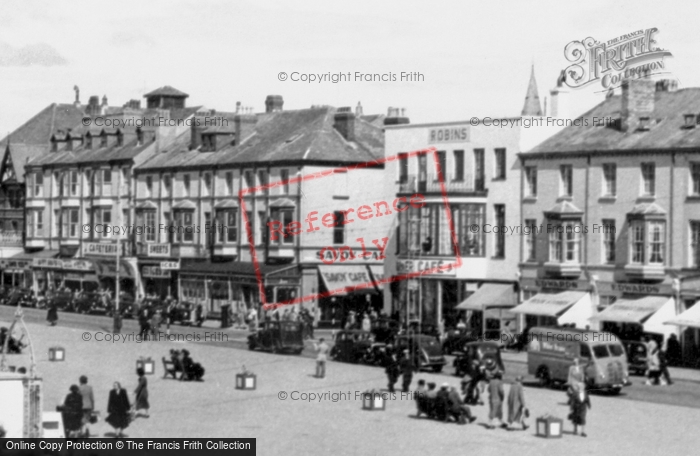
{"type": "Point", "coordinates": [226, 316]}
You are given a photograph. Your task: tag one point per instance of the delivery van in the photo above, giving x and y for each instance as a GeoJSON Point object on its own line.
{"type": "Point", "coordinates": [551, 351]}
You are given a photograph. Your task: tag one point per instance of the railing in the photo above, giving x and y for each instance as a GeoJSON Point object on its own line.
{"type": "Point", "coordinates": [11, 238]}
{"type": "Point", "coordinates": [432, 184]}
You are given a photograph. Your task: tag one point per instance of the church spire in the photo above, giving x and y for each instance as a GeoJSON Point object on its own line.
{"type": "Point", "coordinates": [532, 105]}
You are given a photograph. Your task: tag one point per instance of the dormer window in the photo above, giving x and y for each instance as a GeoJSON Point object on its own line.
{"type": "Point", "coordinates": [208, 143]}
{"type": "Point", "coordinates": [690, 120]}
{"type": "Point", "coordinates": [103, 140]}
{"type": "Point", "coordinates": [643, 124]}
{"type": "Point", "coordinates": [88, 141]}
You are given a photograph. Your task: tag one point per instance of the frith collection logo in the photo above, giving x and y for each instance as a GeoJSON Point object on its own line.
{"type": "Point", "coordinates": [634, 56]}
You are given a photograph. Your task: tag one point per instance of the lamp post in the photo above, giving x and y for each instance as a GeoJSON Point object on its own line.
{"type": "Point", "coordinates": [117, 314]}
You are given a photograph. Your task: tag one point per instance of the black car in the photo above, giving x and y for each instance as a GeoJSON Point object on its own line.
{"type": "Point", "coordinates": [457, 340]}
{"type": "Point", "coordinates": [477, 355]}
{"type": "Point", "coordinates": [63, 300]}
{"type": "Point", "coordinates": [356, 346]}
{"type": "Point", "coordinates": [426, 351]}
{"type": "Point", "coordinates": [636, 356]}
{"type": "Point", "coordinates": [278, 337]}
{"type": "Point", "coordinates": [385, 330]}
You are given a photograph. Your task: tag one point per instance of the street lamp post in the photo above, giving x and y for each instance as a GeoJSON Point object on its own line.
{"type": "Point", "coordinates": [117, 315]}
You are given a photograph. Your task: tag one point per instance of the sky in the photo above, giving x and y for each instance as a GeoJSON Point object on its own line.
{"type": "Point", "coordinates": [475, 57]}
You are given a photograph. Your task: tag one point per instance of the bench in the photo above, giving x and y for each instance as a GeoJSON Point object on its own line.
{"type": "Point", "coordinates": [170, 368]}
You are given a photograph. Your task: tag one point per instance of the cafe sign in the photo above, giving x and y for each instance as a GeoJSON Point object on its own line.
{"type": "Point", "coordinates": [422, 266]}
{"type": "Point", "coordinates": [100, 249]}
{"type": "Point", "coordinates": [158, 250]}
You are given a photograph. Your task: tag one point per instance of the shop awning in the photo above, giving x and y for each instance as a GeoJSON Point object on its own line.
{"type": "Point", "coordinates": [690, 318]}
{"type": "Point", "coordinates": [344, 279]}
{"type": "Point", "coordinates": [568, 307]}
{"type": "Point", "coordinates": [490, 295]}
{"type": "Point", "coordinates": [39, 254]}
{"type": "Point", "coordinates": [108, 268]}
{"type": "Point", "coordinates": [377, 272]}
{"type": "Point", "coordinates": [650, 311]}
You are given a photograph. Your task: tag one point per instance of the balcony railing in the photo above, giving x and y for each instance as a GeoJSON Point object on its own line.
{"type": "Point", "coordinates": [10, 238]}
{"type": "Point", "coordinates": [431, 184]}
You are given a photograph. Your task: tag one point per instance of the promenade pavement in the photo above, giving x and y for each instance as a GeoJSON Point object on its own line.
{"type": "Point", "coordinates": [214, 408]}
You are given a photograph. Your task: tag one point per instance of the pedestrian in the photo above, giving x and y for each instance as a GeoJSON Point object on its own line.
{"type": "Point", "coordinates": [420, 398]}
{"type": "Point", "coordinates": [118, 409]}
{"type": "Point", "coordinates": [673, 351]}
{"type": "Point", "coordinates": [366, 324]}
{"type": "Point", "coordinates": [663, 363]}
{"type": "Point", "coordinates": [52, 314]}
{"type": "Point", "coordinates": [141, 394]}
{"type": "Point", "coordinates": [322, 350]}
{"type": "Point", "coordinates": [653, 364]}
{"type": "Point", "coordinates": [576, 379]}
{"type": "Point", "coordinates": [407, 369]}
{"type": "Point", "coordinates": [581, 404]}
{"type": "Point", "coordinates": [391, 367]}
{"type": "Point", "coordinates": [517, 411]}
{"type": "Point", "coordinates": [88, 403]}
{"type": "Point", "coordinates": [496, 396]}
{"type": "Point", "coordinates": [72, 412]}
{"type": "Point", "coordinates": [155, 324]}
{"type": "Point", "coordinates": [144, 322]}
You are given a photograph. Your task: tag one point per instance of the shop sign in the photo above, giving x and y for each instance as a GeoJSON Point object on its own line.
{"type": "Point", "coordinates": [413, 266]}
{"type": "Point", "coordinates": [634, 288]}
{"type": "Point", "coordinates": [49, 263]}
{"type": "Point", "coordinates": [100, 249]}
{"type": "Point", "coordinates": [556, 284]}
{"type": "Point", "coordinates": [158, 250]}
{"type": "Point", "coordinates": [79, 265]}
{"type": "Point", "coordinates": [448, 134]}
{"type": "Point", "coordinates": [16, 265]}
{"type": "Point", "coordinates": [154, 272]}
{"type": "Point", "coordinates": [170, 265]}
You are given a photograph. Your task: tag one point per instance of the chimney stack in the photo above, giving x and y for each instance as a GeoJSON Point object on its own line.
{"type": "Point", "coordinates": [396, 116]}
{"type": "Point", "coordinates": [359, 112]}
{"type": "Point", "coordinates": [93, 107]}
{"type": "Point", "coordinates": [273, 103]}
{"type": "Point", "coordinates": [666, 85]}
{"type": "Point", "coordinates": [132, 104]}
{"type": "Point", "coordinates": [637, 101]}
{"type": "Point", "coordinates": [244, 123]}
{"type": "Point", "coordinates": [344, 122]}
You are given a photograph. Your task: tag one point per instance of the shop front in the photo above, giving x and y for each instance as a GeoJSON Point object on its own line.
{"type": "Point", "coordinates": [77, 274]}
{"type": "Point", "coordinates": [157, 282]}
{"type": "Point", "coordinates": [16, 272]}
{"type": "Point", "coordinates": [214, 284]}
{"type": "Point", "coordinates": [46, 272]}
{"type": "Point", "coordinates": [106, 270]}
{"type": "Point", "coordinates": [495, 302]}
{"type": "Point", "coordinates": [631, 318]}
{"type": "Point", "coordinates": [344, 289]}
{"type": "Point", "coordinates": [557, 302]}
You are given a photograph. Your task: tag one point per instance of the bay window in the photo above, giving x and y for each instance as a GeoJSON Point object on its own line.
{"type": "Point", "coordinates": [184, 228]}
{"type": "Point", "coordinates": [227, 229]}
{"type": "Point", "coordinates": [647, 242]}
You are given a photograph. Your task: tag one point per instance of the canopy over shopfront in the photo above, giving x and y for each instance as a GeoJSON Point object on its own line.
{"type": "Point", "coordinates": [490, 295]}
{"type": "Point", "coordinates": [568, 307]}
{"type": "Point", "coordinates": [650, 311]}
{"type": "Point", "coordinates": [344, 279]}
{"type": "Point", "coordinates": [377, 271]}
{"type": "Point", "coordinates": [689, 319]}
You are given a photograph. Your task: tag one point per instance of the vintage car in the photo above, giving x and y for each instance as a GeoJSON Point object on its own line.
{"type": "Point", "coordinates": [426, 350]}
{"type": "Point", "coordinates": [356, 346]}
{"type": "Point", "coordinates": [476, 355]}
{"type": "Point", "coordinates": [385, 330]}
{"type": "Point", "coordinates": [17, 295]}
{"type": "Point", "coordinates": [456, 340]}
{"type": "Point", "coordinates": [636, 356]}
{"type": "Point", "coordinates": [278, 337]}
{"type": "Point", "coordinates": [61, 299]}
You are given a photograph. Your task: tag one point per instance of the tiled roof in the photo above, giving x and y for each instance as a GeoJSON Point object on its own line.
{"type": "Point", "coordinates": [647, 209]}
{"type": "Point", "coordinates": [38, 129]}
{"type": "Point", "coordinates": [167, 91]}
{"type": "Point", "coordinates": [305, 135]}
{"type": "Point", "coordinates": [80, 155]}
{"type": "Point", "coordinates": [564, 207]}
{"type": "Point", "coordinates": [23, 153]}
{"type": "Point", "coordinates": [665, 130]}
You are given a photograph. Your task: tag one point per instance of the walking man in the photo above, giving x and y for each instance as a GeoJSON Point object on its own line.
{"type": "Point", "coordinates": [407, 368]}
{"type": "Point", "coordinates": [88, 403]}
{"type": "Point", "coordinates": [496, 396]}
{"type": "Point", "coordinates": [322, 350]}
{"type": "Point", "coordinates": [391, 367]}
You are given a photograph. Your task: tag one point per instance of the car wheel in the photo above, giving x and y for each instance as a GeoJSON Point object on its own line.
{"type": "Point", "coordinates": [437, 369]}
{"type": "Point", "coordinates": [543, 377]}
{"type": "Point", "coordinates": [616, 390]}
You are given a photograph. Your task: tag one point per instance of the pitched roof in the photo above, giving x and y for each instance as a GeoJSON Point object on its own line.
{"type": "Point", "coordinates": [20, 154]}
{"type": "Point", "coordinates": [564, 207]}
{"type": "Point", "coordinates": [166, 91]}
{"type": "Point", "coordinates": [532, 105]}
{"type": "Point", "coordinates": [647, 209]}
{"type": "Point", "coordinates": [305, 135]}
{"type": "Point", "coordinates": [665, 130]}
{"type": "Point", "coordinates": [38, 129]}
{"type": "Point", "coordinates": [81, 154]}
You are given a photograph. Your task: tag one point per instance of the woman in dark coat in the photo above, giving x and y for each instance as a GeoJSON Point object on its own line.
{"type": "Point", "coordinates": [118, 409]}
{"type": "Point", "coordinates": [580, 405]}
{"type": "Point", "coordinates": [516, 403]}
{"type": "Point", "coordinates": [73, 410]}
{"type": "Point", "coordinates": [141, 393]}
{"type": "Point", "coordinates": [52, 314]}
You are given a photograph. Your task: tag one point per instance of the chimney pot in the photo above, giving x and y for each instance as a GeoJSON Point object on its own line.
{"type": "Point", "coordinates": [273, 103]}
{"type": "Point", "coordinates": [396, 116]}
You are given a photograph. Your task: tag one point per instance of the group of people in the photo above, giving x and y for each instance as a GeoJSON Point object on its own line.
{"type": "Point", "coordinates": [78, 408]}
{"type": "Point", "coordinates": [446, 403]}
{"type": "Point", "coordinates": [189, 369]}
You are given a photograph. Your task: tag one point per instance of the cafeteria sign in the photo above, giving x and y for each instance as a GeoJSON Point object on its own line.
{"type": "Point", "coordinates": [100, 249]}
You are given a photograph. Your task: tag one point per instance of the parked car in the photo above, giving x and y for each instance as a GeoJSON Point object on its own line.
{"type": "Point", "coordinates": [16, 295]}
{"type": "Point", "coordinates": [426, 350]}
{"type": "Point", "coordinates": [457, 340]}
{"type": "Point", "coordinates": [63, 300]}
{"type": "Point", "coordinates": [356, 346]}
{"type": "Point", "coordinates": [636, 356]}
{"type": "Point", "coordinates": [475, 355]}
{"type": "Point", "coordinates": [278, 337]}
